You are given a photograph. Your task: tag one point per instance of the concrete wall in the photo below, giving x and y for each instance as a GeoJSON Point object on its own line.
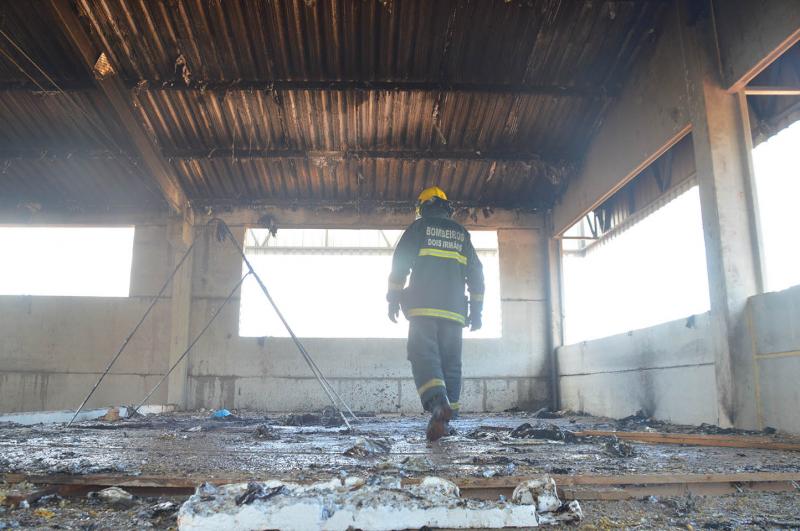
{"type": "Point", "coordinates": [684, 85]}
{"type": "Point", "coordinates": [371, 374]}
{"type": "Point", "coordinates": [52, 349]}
{"type": "Point", "coordinates": [773, 319]}
{"type": "Point", "coordinates": [667, 371]}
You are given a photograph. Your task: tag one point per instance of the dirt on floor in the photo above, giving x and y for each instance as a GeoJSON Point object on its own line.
{"type": "Point", "coordinates": [316, 447]}
{"type": "Point", "coordinates": [738, 511]}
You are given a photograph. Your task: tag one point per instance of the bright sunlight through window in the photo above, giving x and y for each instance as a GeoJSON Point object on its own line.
{"type": "Point", "coordinates": [332, 283]}
{"type": "Point", "coordinates": [89, 262]}
{"type": "Point", "coordinates": [777, 168]}
{"type": "Point", "coordinates": [652, 273]}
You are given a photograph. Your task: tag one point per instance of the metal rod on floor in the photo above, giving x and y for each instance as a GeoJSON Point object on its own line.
{"type": "Point", "coordinates": [135, 329]}
{"type": "Point", "coordinates": [196, 339]}
{"type": "Point", "coordinates": [326, 386]}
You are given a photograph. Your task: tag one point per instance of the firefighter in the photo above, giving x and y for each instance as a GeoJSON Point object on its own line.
{"type": "Point", "coordinates": [439, 253]}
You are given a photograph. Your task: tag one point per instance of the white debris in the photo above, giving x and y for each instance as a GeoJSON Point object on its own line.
{"type": "Point", "coordinates": [543, 494]}
{"type": "Point", "coordinates": [114, 496]}
{"type": "Point", "coordinates": [539, 492]}
{"type": "Point", "coordinates": [29, 418]}
{"type": "Point", "coordinates": [377, 504]}
{"type": "Point", "coordinates": [367, 447]}
{"type": "Point", "coordinates": [440, 486]}
{"type": "Point", "coordinates": [568, 512]}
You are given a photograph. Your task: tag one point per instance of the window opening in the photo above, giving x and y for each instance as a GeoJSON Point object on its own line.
{"type": "Point", "coordinates": [66, 261]}
{"type": "Point", "coordinates": [651, 273]}
{"type": "Point", "coordinates": [777, 176]}
{"type": "Point", "coordinates": [331, 283]}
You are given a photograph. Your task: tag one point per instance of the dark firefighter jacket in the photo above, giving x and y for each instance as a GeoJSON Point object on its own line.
{"type": "Point", "coordinates": [439, 253]}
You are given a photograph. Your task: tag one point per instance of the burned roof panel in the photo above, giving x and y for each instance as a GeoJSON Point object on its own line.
{"type": "Point", "coordinates": [342, 100]}
{"type": "Point", "coordinates": [242, 120]}
{"type": "Point", "coordinates": [62, 122]}
{"type": "Point", "coordinates": [539, 42]}
{"type": "Point", "coordinates": [76, 184]}
{"type": "Point", "coordinates": [27, 41]}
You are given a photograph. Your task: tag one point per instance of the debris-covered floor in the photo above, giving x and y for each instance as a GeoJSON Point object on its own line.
{"type": "Point", "coordinates": [303, 448]}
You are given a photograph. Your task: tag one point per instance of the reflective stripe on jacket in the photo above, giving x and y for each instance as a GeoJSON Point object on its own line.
{"type": "Point", "coordinates": [439, 253]}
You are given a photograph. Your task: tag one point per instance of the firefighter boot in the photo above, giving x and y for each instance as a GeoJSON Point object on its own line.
{"type": "Point", "coordinates": [440, 417]}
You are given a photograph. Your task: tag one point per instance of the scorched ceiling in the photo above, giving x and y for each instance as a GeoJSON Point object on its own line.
{"type": "Point", "coordinates": [306, 102]}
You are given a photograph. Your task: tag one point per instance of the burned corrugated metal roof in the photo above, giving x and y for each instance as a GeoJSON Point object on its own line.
{"type": "Point", "coordinates": [306, 101]}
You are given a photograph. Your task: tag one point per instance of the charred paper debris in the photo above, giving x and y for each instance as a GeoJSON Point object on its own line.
{"type": "Point", "coordinates": [365, 447]}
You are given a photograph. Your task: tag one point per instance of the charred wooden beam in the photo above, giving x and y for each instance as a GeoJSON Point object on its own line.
{"type": "Point", "coordinates": [579, 486]}
{"type": "Point", "coordinates": [772, 91]}
{"type": "Point", "coordinates": [366, 85]}
{"type": "Point", "coordinates": [588, 92]}
{"type": "Point", "coordinates": [63, 153]}
{"type": "Point", "coordinates": [359, 154]}
{"type": "Point", "coordinates": [111, 85]}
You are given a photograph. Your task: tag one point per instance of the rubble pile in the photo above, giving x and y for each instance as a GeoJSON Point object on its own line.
{"type": "Point", "coordinates": [376, 503]}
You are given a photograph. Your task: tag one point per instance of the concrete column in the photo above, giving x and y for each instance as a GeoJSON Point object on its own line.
{"type": "Point", "coordinates": [523, 295]}
{"type": "Point", "coordinates": [556, 316]}
{"type": "Point", "coordinates": [219, 360]}
{"type": "Point", "coordinates": [180, 236]}
{"type": "Point", "coordinates": [722, 149]}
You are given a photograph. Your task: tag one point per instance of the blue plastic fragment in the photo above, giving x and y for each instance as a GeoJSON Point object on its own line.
{"type": "Point", "coordinates": [221, 414]}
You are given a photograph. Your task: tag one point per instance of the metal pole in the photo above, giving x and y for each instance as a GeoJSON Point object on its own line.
{"type": "Point", "coordinates": [196, 339]}
{"type": "Point", "coordinates": [326, 386]}
{"type": "Point", "coordinates": [135, 329]}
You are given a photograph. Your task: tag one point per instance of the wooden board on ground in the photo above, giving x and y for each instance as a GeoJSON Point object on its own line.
{"type": "Point", "coordinates": [729, 441]}
{"type": "Point", "coordinates": [580, 487]}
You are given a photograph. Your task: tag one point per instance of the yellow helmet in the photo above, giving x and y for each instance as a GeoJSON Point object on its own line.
{"type": "Point", "coordinates": [429, 194]}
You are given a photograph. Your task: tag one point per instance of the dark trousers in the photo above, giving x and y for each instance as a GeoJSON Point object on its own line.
{"type": "Point", "coordinates": [434, 350]}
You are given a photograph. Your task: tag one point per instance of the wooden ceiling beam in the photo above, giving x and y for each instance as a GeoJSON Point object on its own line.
{"type": "Point", "coordinates": [56, 154]}
{"type": "Point", "coordinates": [584, 92]}
{"type": "Point", "coordinates": [111, 85]}
{"type": "Point", "coordinates": [392, 86]}
{"type": "Point", "coordinates": [755, 90]}
{"type": "Point", "coordinates": [361, 154]}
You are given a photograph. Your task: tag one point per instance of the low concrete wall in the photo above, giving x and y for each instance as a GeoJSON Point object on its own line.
{"type": "Point", "coordinates": [774, 320]}
{"type": "Point", "coordinates": [226, 370]}
{"type": "Point", "coordinates": [52, 349]}
{"type": "Point", "coordinates": [667, 371]}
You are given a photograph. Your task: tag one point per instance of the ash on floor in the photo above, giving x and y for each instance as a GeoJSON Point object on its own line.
{"type": "Point", "coordinates": [251, 445]}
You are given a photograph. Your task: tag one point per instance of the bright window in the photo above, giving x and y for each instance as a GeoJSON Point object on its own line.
{"type": "Point", "coordinates": [332, 283]}
{"type": "Point", "coordinates": [70, 261]}
{"type": "Point", "coordinates": [652, 273]}
{"type": "Point", "coordinates": [777, 169]}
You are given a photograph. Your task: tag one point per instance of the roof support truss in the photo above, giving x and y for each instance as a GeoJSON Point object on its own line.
{"type": "Point", "coordinates": [60, 153]}
{"type": "Point", "coordinates": [585, 92]}
{"type": "Point", "coordinates": [109, 83]}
